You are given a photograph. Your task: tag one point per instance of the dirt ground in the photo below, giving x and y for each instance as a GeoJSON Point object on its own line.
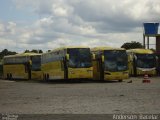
{"type": "Point", "coordinates": [35, 97]}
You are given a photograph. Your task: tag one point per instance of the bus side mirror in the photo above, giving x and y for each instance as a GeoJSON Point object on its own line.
{"type": "Point", "coordinates": [102, 58]}
{"type": "Point", "coordinates": [30, 62]}
{"type": "Point", "coordinates": [67, 56]}
{"type": "Point", "coordinates": [135, 57]}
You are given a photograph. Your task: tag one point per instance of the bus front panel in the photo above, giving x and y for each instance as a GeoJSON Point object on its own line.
{"type": "Point", "coordinates": [116, 75]}
{"type": "Point", "coordinates": [115, 65]}
{"type": "Point", "coordinates": [144, 64]}
{"type": "Point", "coordinates": [79, 63]}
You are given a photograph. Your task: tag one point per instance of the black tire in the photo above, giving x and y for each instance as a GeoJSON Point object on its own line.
{"type": "Point", "coordinates": [10, 77]}
{"type": "Point", "coordinates": [120, 80]}
{"type": "Point", "coordinates": [7, 76]}
{"type": "Point", "coordinates": [47, 77]}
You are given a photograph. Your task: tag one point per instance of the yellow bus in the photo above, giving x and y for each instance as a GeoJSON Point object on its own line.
{"type": "Point", "coordinates": [67, 63]}
{"type": "Point", "coordinates": [22, 66]}
{"type": "Point", "coordinates": [141, 61]}
{"type": "Point", "coordinates": [109, 63]}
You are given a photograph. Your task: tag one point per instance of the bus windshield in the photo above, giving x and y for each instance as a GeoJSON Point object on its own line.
{"type": "Point", "coordinates": [115, 60]}
{"type": "Point", "coordinates": [146, 60]}
{"type": "Point", "coordinates": [36, 63]}
{"type": "Point", "coordinates": [79, 57]}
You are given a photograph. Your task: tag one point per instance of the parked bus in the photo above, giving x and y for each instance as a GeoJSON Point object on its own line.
{"type": "Point", "coordinates": [110, 63]}
{"type": "Point", "coordinates": [141, 61]}
{"type": "Point", "coordinates": [22, 66]}
{"type": "Point", "coordinates": [67, 63]}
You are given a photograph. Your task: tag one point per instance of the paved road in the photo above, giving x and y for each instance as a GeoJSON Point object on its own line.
{"type": "Point", "coordinates": [32, 97]}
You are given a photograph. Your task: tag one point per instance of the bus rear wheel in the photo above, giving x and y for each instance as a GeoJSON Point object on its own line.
{"type": "Point", "coordinates": [9, 76]}
{"type": "Point", "coordinates": [46, 77]}
{"type": "Point", "coordinates": [120, 80]}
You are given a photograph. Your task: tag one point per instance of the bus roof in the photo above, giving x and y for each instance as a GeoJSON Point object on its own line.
{"type": "Point", "coordinates": [106, 48]}
{"type": "Point", "coordinates": [62, 48]}
{"type": "Point", "coordinates": [141, 51]}
{"type": "Point", "coordinates": [22, 54]}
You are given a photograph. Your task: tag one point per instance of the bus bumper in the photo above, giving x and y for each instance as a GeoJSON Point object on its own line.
{"type": "Point", "coordinates": [116, 75]}
{"type": "Point", "coordinates": [141, 72]}
{"type": "Point", "coordinates": [78, 73]}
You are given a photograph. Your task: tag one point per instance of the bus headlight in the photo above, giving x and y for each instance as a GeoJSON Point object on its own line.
{"type": "Point", "coordinates": [125, 72]}
{"type": "Point", "coordinates": [89, 70]}
{"type": "Point", "coordinates": [71, 72]}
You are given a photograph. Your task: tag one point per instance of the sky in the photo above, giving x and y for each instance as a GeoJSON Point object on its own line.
{"type": "Point", "coordinates": [46, 25]}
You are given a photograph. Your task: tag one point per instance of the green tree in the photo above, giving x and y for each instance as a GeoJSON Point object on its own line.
{"type": "Point", "coordinates": [26, 51]}
{"type": "Point", "coordinates": [132, 45]}
{"type": "Point", "coordinates": [49, 51]}
{"type": "Point", "coordinates": [6, 52]}
{"type": "Point", "coordinates": [40, 51]}
{"type": "Point", "coordinates": [34, 51]}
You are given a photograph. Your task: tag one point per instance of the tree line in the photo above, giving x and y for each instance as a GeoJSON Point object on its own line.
{"type": "Point", "coordinates": [127, 45]}
{"type": "Point", "coordinates": [6, 52]}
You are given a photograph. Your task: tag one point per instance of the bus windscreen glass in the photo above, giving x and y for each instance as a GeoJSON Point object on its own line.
{"type": "Point", "coordinates": [115, 60]}
{"type": "Point", "coordinates": [146, 60]}
{"type": "Point", "coordinates": [79, 57]}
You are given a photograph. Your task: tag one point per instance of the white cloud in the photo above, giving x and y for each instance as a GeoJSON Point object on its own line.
{"type": "Point", "coordinates": [8, 28]}
{"type": "Point", "coordinates": [59, 11]}
{"type": "Point", "coordinates": [80, 22]}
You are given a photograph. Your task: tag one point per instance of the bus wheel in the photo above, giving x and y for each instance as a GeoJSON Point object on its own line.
{"type": "Point", "coordinates": [47, 77]}
{"type": "Point", "coordinates": [10, 77]}
{"type": "Point", "coordinates": [7, 76]}
{"type": "Point", "coordinates": [120, 80]}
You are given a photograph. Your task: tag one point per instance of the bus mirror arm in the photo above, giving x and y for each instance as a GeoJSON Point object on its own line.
{"type": "Point", "coordinates": [135, 57]}
{"type": "Point", "coordinates": [67, 56]}
{"type": "Point", "coordinates": [102, 58]}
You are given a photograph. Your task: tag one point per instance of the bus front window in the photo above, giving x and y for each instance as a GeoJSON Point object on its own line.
{"type": "Point", "coordinates": [115, 60]}
{"type": "Point", "coordinates": [146, 60]}
{"type": "Point", "coordinates": [79, 57]}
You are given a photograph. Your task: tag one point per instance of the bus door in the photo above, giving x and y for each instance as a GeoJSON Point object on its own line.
{"type": "Point", "coordinates": [65, 67]}
{"type": "Point", "coordinates": [28, 69]}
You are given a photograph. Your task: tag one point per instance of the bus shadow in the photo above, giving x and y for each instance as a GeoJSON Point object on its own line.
{"type": "Point", "coordinates": [73, 81]}
{"type": "Point", "coordinates": [76, 81]}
